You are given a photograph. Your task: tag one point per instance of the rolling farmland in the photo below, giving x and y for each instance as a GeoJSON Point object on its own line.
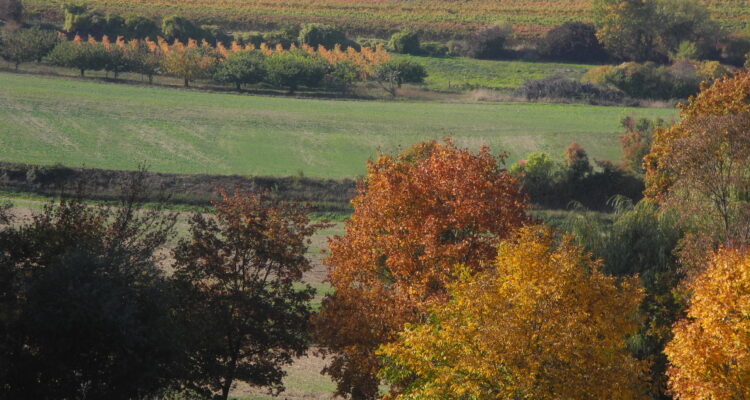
{"type": "Point", "coordinates": [440, 19]}
{"type": "Point", "coordinates": [116, 126]}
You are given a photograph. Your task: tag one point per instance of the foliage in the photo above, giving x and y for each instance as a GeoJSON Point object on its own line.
{"type": "Point", "coordinates": [315, 35]}
{"type": "Point", "coordinates": [19, 46]}
{"type": "Point", "coordinates": [86, 312]}
{"type": "Point", "coordinates": [79, 55]}
{"type": "Point", "coordinates": [140, 27]}
{"type": "Point", "coordinates": [561, 88]}
{"type": "Point", "coordinates": [524, 329]}
{"type": "Point", "coordinates": [392, 74]}
{"type": "Point", "coordinates": [11, 10]}
{"type": "Point", "coordinates": [641, 241]}
{"type": "Point", "coordinates": [572, 41]}
{"type": "Point", "coordinates": [652, 81]}
{"type": "Point", "coordinates": [179, 28]}
{"type": "Point", "coordinates": [343, 75]}
{"type": "Point", "coordinates": [699, 165]}
{"type": "Point", "coordinates": [636, 142]}
{"type": "Point", "coordinates": [710, 353]}
{"type": "Point", "coordinates": [405, 42]}
{"type": "Point", "coordinates": [241, 69]}
{"type": "Point", "coordinates": [238, 272]}
{"type": "Point", "coordinates": [415, 216]}
{"type": "Point", "coordinates": [557, 184]}
{"type": "Point", "coordinates": [487, 43]}
{"type": "Point", "coordinates": [295, 69]}
{"type": "Point", "coordinates": [641, 30]}
{"type": "Point", "coordinates": [188, 62]}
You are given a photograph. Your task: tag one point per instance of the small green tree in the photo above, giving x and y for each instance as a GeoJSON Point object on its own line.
{"type": "Point", "coordinates": [293, 69]}
{"type": "Point", "coordinates": [180, 28]}
{"type": "Point", "coordinates": [82, 56]}
{"type": "Point", "coordinates": [394, 73]}
{"type": "Point", "coordinates": [18, 47]}
{"type": "Point", "coordinates": [322, 35]}
{"type": "Point", "coordinates": [242, 68]}
{"type": "Point", "coordinates": [405, 42]}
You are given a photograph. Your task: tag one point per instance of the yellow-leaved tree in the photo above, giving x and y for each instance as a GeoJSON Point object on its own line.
{"type": "Point", "coordinates": [545, 323]}
{"type": "Point", "coordinates": [710, 352]}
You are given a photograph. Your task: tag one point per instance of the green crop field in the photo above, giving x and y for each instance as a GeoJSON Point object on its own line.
{"type": "Point", "coordinates": [106, 125]}
{"type": "Point", "coordinates": [438, 18]}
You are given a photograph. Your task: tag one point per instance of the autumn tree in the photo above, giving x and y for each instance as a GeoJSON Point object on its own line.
{"type": "Point", "coordinates": [188, 62]}
{"type": "Point", "coordinates": [544, 323]}
{"type": "Point", "coordinates": [242, 298]}
{"type": "Point", "coordinates": [699, 166]}
{"type": "Point", "coordinates": [415, 216]}
{"type": "Point", "coordinates": [636, 141]}
{"type": "Point", "coordinates": [710, 352]}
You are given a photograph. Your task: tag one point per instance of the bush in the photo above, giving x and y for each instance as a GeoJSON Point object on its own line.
{"type": "Point", "coordinates": [405, 42]}
{"type": "Point", "coordinates": [323, 35]}
{"type": "Point", "coordinates": [79, 20]}
{"type": "Point", "coordinates": [241, 69]}
{"type": "Point", "coordinates": [486, 44]}
{"type": "Point", "coordinates": [434, 49]}
{"type": "Point", "coordinates": [572, 41]}
{"type": "Point", "coordinates": [82, 56]}
{"type": "Point", "coordinates": [651, 81]}
{"type": "Point", "coordinates": [140, 27]}
{"type": "Point", "coordinates": [393, 73]}
{"type": "Point", "coordinates": [293, 69]}
{"type": "Point", "coordinates": [733, 49]}
{"type": "Point", "coordinates": [563, 88]}
{"type": "Point", "coordinates": [180, 28]}
{"type": "Point", "coordinates": [11, 10]}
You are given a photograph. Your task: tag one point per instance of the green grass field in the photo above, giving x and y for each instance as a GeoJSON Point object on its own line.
{"type": "Point", "coordinates": [459, 73]}
{"type": "Point", "coordinates": [108, 125]}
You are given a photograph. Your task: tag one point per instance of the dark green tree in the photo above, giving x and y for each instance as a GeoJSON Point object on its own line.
{"type": "Point", "coordinates": [405, 42]}
{"type": "Point", "coordinates": [322, 35]}
{"type": "Point", "coordinates": [238, 274]}
{"type": "Point", "coordinates": [140, 27]}
{"type": "Point", "coordinates": [85, 310]}
{"type": "Point", "coordinates": [242, 68]}
{"type": "Point", "coordinates": [293, 69]}
{"type": "Point", "coordinates": [18, 47]}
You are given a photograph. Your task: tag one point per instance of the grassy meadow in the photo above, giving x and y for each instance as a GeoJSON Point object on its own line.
{"type": "Point", "coordinates": [117, 126]}
{"type": "Point", "coordinates": [460, 73]}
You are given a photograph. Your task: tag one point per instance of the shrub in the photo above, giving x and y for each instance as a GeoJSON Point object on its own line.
{"type": "Point", "coordinates": [323, 35]}
{"type": "Point", "coordinates": [293, 69]}
{"type": "Point", "coordinates": [434, 49]}
{"type": "Point", "coordinates": [180, 28]}
{"type": "Point", "coordinates": [394, 73]}
{"type": "Point", "coordinates": [563, 88]}
{"type": "Point", "coordinates": [82, 56]}
{"type": "Point", "coordinates": [140, 27]}
{"type": "Point", "coordinates": [488, 43]}
{"type": "Point", "coordinates": [405, 42]}
{"type": "Point", "coordinates": [572, 41]}
{"type": "Point", "coordinates": [11, 10]}
{"type": "Point", "coordinates": [79, 20]}
{"type": "Point", "coordinates": [241, 69]}
{"type": "Point", "coordinates": [733, 49]}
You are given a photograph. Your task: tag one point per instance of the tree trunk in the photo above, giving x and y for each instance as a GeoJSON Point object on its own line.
{"type": "Point", "coordinates": [187, 83]}
{"type": "Point", "coordinates": [150, 79]}
{"type": "Point", "coordinates": [239, 87]}
{"type": "Point", "coordinates": [82, 72]}
{"type": "Point", "coordinates": [17, 64]}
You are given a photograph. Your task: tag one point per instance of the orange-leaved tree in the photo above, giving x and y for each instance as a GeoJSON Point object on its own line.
{"type": "Point", "coordinates": [699, 167]}
{"type": "Point", "coordinates": [416, 215]}
{"type": "Point", "coordinates": [710, 351]}
{"type": "Point", "coordinates": [544, 323]}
